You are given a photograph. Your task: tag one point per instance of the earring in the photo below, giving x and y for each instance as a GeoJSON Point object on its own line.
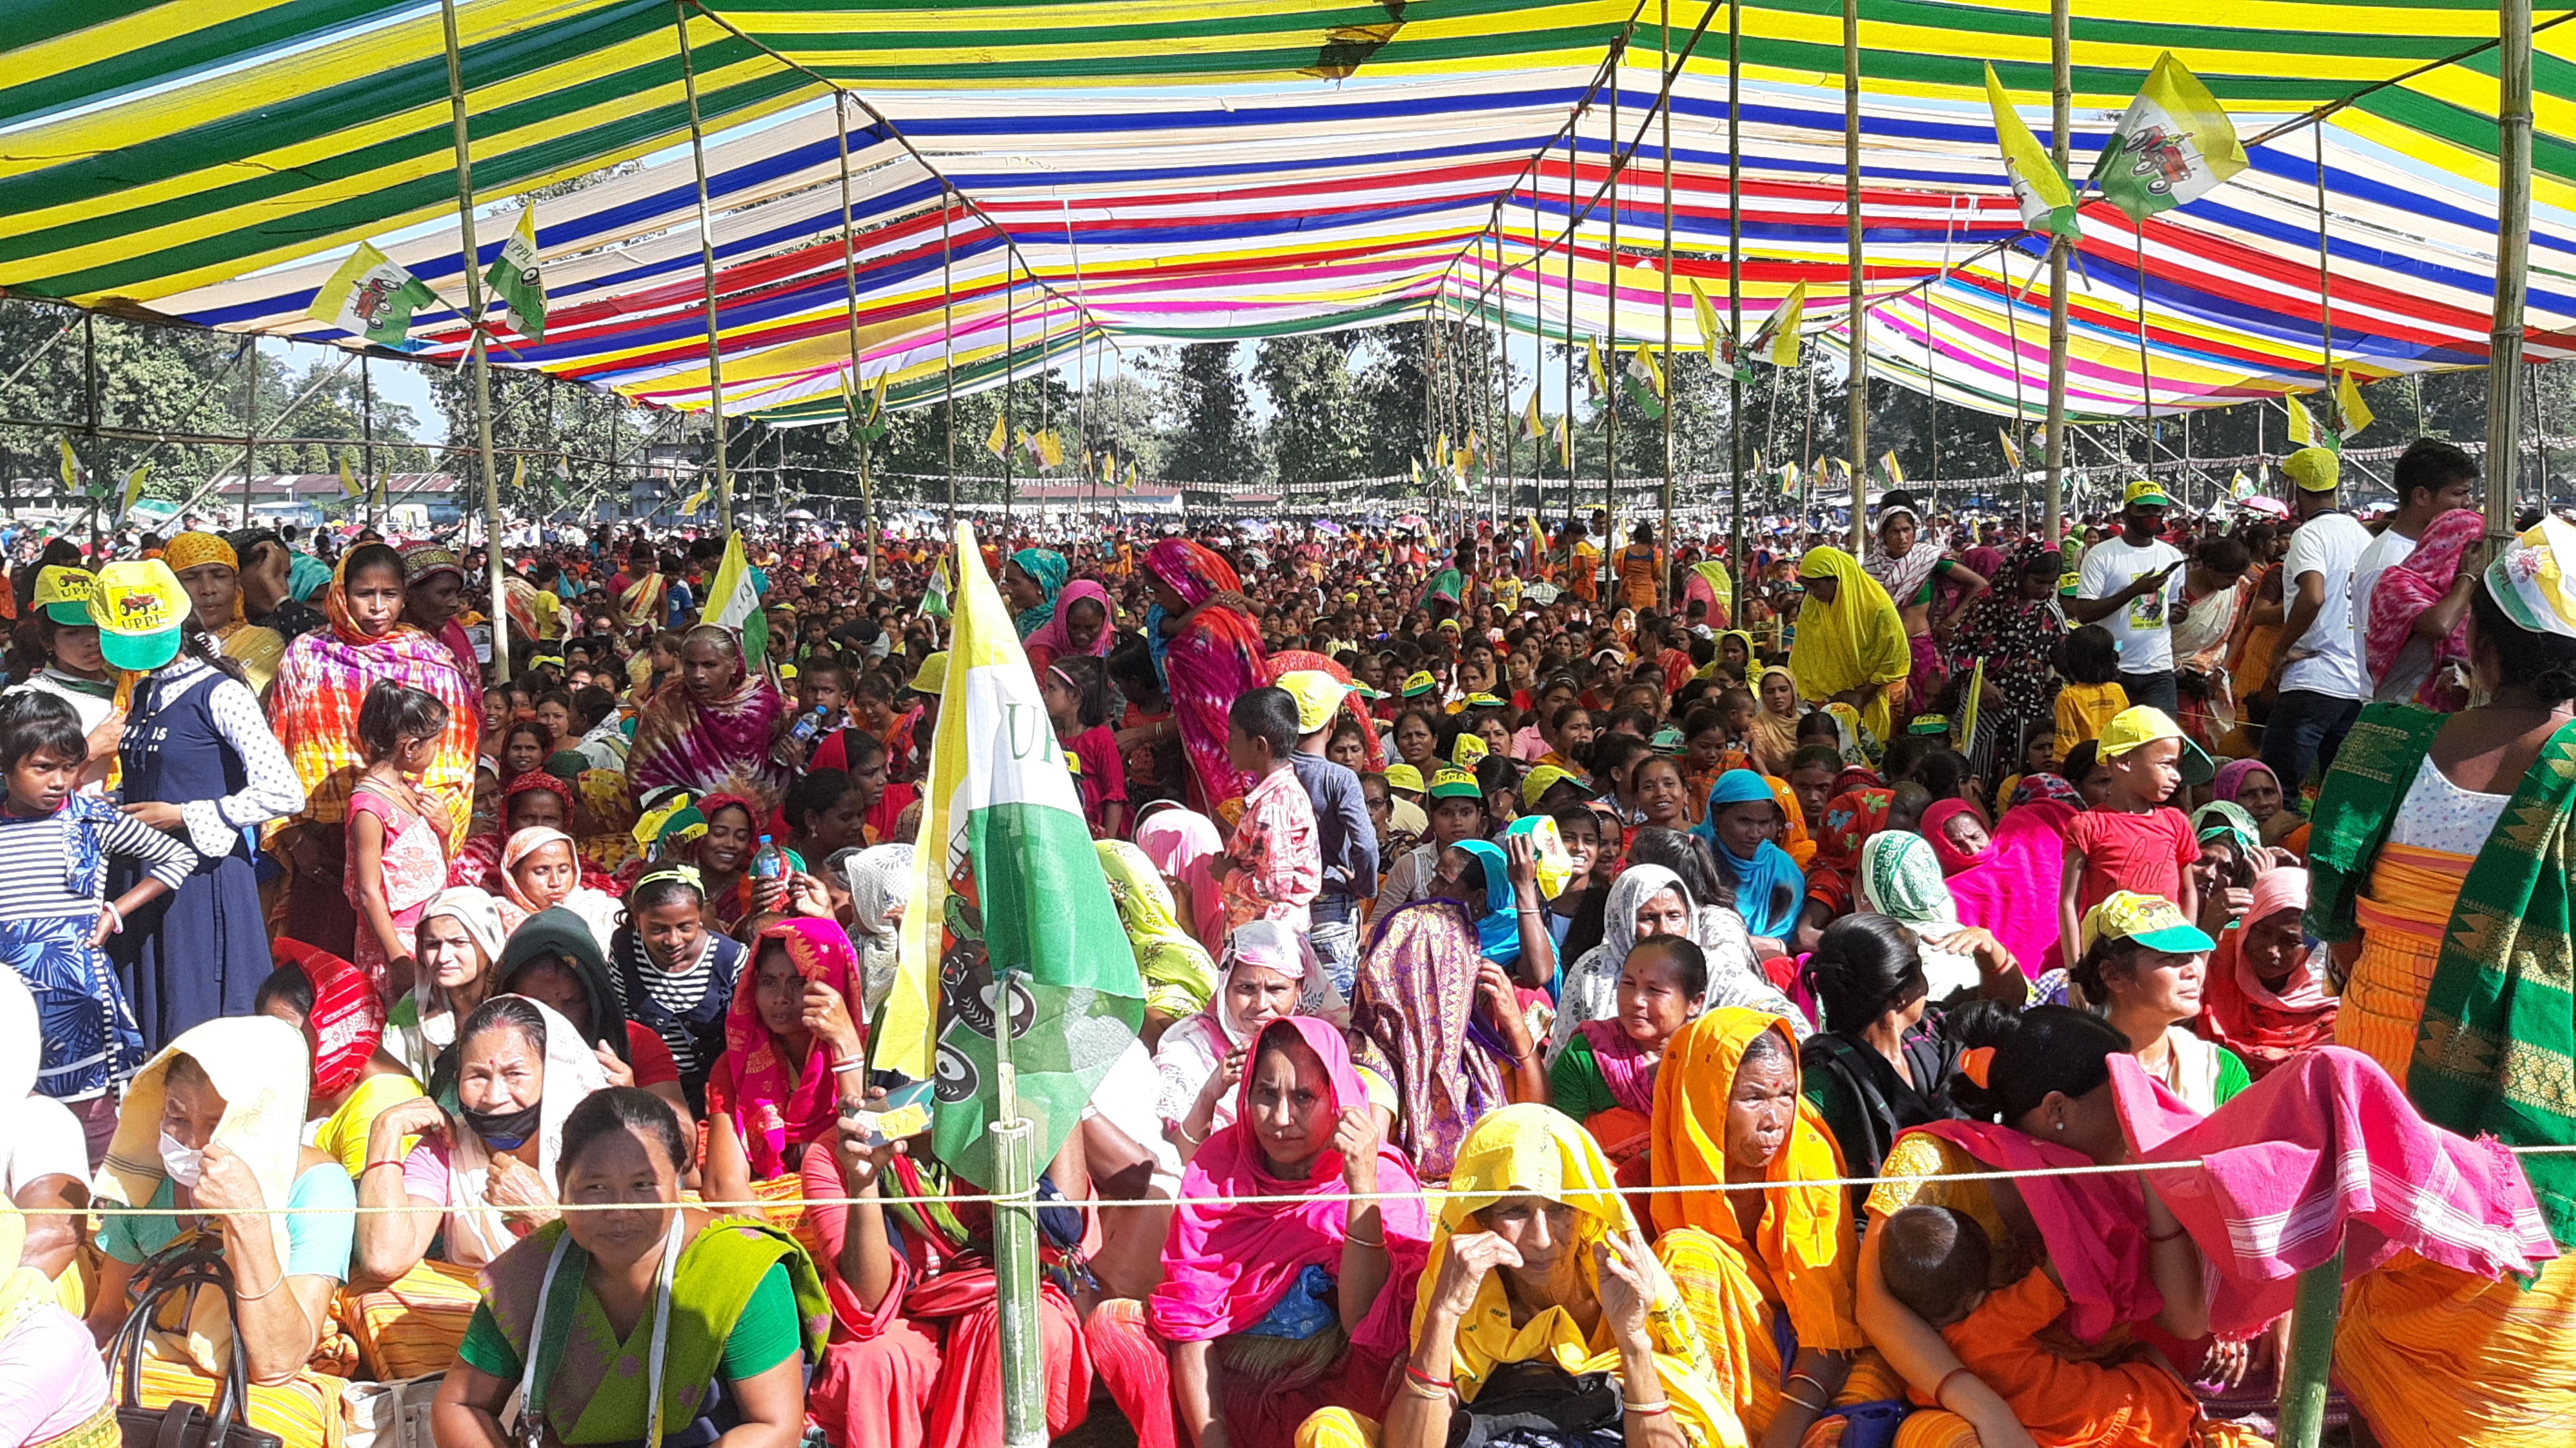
{"type": "Point", "coordinates": [2061, 1126]}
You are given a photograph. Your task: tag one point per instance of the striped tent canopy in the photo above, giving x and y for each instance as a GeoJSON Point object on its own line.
{"type": "Point", "coordinates": [987, 188]}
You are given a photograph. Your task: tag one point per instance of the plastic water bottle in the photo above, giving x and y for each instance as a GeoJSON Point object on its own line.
{"type": "Point", "coordinates": [769, 862]}
{"type": "Point", "coordinates": [808, 724]}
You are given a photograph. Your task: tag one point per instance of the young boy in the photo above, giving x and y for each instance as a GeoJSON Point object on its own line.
{"type": "Point", "coordinates": [2090, 660]}
{"type": "Point", "coordinates": [2133, 840]}
{"type": "Point", "coordinates": [1273, 865]}
{"type": "Point", "coordinates": [1936, 1261]}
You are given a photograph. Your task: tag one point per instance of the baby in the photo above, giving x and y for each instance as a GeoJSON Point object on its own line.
{"type": "Point", "coordinates": [1936, 1261]}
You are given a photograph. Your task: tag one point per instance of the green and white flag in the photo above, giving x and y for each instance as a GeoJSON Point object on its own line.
{"type": "Point", "coordinates": [513, 277]}
{"type": "Point", "coordinates": [2047, 201]}
{"type": "Point", "coordinates": [372, 296]}
{"type": "Point", "coordinates": [934, 599]}
{"type": "Point", "coordinates": [1008, 925]}
{"type": "Point", "coordinates": [1645, 383]}
{"type": "Point", "coordinates": [732, 602]}
{"type": "Point", "coordinates": [2173, 145]}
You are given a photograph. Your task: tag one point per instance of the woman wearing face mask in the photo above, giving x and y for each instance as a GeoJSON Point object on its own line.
{"type": "Point", "coordinates": [1535, 1259]}
{"type": "Point", "coordinates": [459, 946]}
{"type": "Point", "coordinates": [215, 1122]}
{"type": "Point", "coordinates": [313, 708]}
{"type": "Point", "coordinates": [2036, 1088]}
{"type": "Point", "coordinates": [487, 1158]}
{"type": "Point", "coordinates": [1882, 1063]}
{"type": "Point", "coordinates": [732, 1305]}
{"type": "Point", "coordinates": [553, 960]}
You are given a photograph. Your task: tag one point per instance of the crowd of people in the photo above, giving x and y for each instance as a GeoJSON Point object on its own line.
{"type": "Point", "coordinates": [1593, 993]}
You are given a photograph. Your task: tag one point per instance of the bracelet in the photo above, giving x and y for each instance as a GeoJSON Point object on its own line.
{"type": "Point", "coordinates": [1351, 1236]}
{"type": "Point", "coordinates": [241, 1296]}
{"type": "Point", "coordinates": [388, 1161]}
{"type": "Point", "coordinates": [1801, 1402]}
{"type": "Point", "coordinates": [2169, 1236]}
{"type": "Point", "coordinates": [1183, 1127]}
{"type": "Point", "coordinates": [1942, 1387]}
{"type": "Point", "coordinates": [854, 1063]}
{"type": "Point", "coordinates": [1812, 1378]}
{"type": "Point", "coordinates": [1414, 1374]}
{"type": "Point", "coordinates": [1649, 1410]}
{"type": "Point", "coordinates": [119, 916]}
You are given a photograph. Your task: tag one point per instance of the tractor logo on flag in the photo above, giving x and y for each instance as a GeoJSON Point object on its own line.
{"type": "Point", "coordinates": [2164, 157]}
{"type": "Point", "coordinates": [373, 299]}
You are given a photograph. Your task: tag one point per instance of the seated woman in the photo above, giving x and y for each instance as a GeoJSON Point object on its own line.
{"type": "Point", "coordinates": [676, 976]}
{"type": "Point", "coordinates": [1605, 1077]}
{"type": "Point", "coordinates": [730, 1305]}
{"type": "Point", "coordinates": [1268, 974]}
{"type": "Point", "coordinates": [488, 1146]}
{"type": "Point", "coordinates": [1745, 821]}
{"type": "Point", "coordinates": [214, 1121]}
{"type": "Point", "coordinates": [2037, 1090]}
{"type": "Point", "coordinates": [1783, 1340]}
{"type": "Point", "coordinates": [1900, 878]}
{"type": "Point", "coordinates": [1440, 1023]}
{"type": "Point", "coordinates": [541, 870]}
{"type": "Point", "coordinates": [1538, 1279]}
{"type": "Point", "coordinates": [354, 1080]}
{"type": "Point", "coordinates": [791, 1035]}
{"type": "Point", "coordinates": [1272, 1310]}
{"type": "Point", "coordinates": [458, 944]}
{"type": "Point", "coordinates": [53, 1388]}
{"type": "Point", "coordinates": [536, 800]}
{"type": "Point", "coordinates": [1179, 977]}
{"type": "Point", "coordinates": [553, 959]}
{"type": "Point", "coordinates": [1648, 900]}
{"type": "Point", "coordinates": [44, 1156]}
{"type": "Point", "coordinates": [724, 863]}
{"type": "Point", "coordinates": [2266, 998]}
{"type": "Point", "coordinates": [2142, 968]}
{"type": "Point", "coordinates": [1882, 1063]}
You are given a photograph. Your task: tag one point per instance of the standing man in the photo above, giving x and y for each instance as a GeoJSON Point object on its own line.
{"type": "Point", "coordinates": [2433, 478]}
{"type": "Point", "coordinates": [2130, 584]}
{"type": "Point", "coordinates": [1344, 833]}
{"type": "Point", "coordinates": [2316, 668]}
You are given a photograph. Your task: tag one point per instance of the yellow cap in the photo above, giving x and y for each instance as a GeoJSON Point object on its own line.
{"type": "Point", "coordinates": [1469, 748]}
{"type": "Point", "coordinates": [64, 592]}
{"type": "Point", "coordinates": [2314, 469]}
{"type": "Point", "coordinates": [1539, 781]}
{"type": "Point", "coordinates": [1404, 777]}
{"type": "Point", "coordinates": [2145, 493]}
{"type": "Point", "coordinates": [933, 675]}
{"type": "Point", "coordinates": [2151, 920]}
{"type": "Point", "coordinates": [1455, 784]}
{"type": "Point", "coordinates": [139, 608]}
{"type": "Point", "coordinates": [2141, 724]}
{"type": "Point", "coordinates": [1317, 694]}
{"type": "Point", "coordinates": [1418, 684]}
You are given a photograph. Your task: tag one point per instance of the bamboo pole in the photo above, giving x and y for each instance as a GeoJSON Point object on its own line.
{"type": "Point", "coordinates": [1857, 309]}
{"type": "Point", "coordinates": [1735, 359]}
{"type": "Point", "coordinates": [850, 289]}
{"type": "Point", "coordinates": [367, 441]}
{"type": "Point", "coordinates": [495, 570]}
{"type": "Point", "coordinates": [1573, 506]}
{"type": "Point", "coordinates": [2302, 1406]}
{"type": "Point", "coordinates": [250, 397]}
{"type": "Point", "coordinates": [1015, 1242]}
{"type": "Point", "coordinates": [1672, 393]}
{"type": "Point", "coordinates": [2061, 102]}
{"type": "Point", "coordinates": [2513, 261]}
{"type": "Point", "coordinates": [1610, 349]}
{"type": "Point", "coordinates": [707, 263]}
{"type": "Point", "coordinates": [947, 349]}
{"type": "Point", "coordinates": [2325, 294]}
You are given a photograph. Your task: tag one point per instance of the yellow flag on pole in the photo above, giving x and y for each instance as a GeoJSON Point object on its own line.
{"type": "Point", "coordinates": [1592, 360]}
{"type": "Point", "coordinates": [71, 466]}
{"type": "Point", "coordinates": [1782, 333]}
{"type": "Point", "coordinates": [2303, 427]}
{"type": "Point", "coordinates": [348, 481]}
{"type": "Point", "coordinates": [2356, 413]}
{"type": "Point", "coordinates": [1712, 332]}
{"type": "Point", "coordinates": [133, 491]}
{"type": "Point", "coordinates": [999, 442]}
{"type": "Point", "coordinates": [1531, 422]}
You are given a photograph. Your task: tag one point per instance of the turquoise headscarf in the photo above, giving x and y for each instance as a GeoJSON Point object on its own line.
{"type": "Point", "coordinates": [1051, 571]}
{"type": "Point", "coordinates": [1769, 886]}
{"type": "Point", "coordinates": [1498, 930]}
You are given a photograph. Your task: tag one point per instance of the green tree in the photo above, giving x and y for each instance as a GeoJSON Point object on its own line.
{"type": "Point", "coordinates": [1317, 428]}
{"type": "Point", "coordinates": [1213, 442]}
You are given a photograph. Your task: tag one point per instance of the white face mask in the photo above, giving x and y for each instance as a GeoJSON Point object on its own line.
{"type": "Point", "coordinates": [184, 1164]}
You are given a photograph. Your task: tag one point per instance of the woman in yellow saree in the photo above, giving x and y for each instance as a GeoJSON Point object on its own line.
{"type": "Point", "coordinates": [1728, 1111]}
{"type": "Point", "coordinates": [1851, 646]}
{"type": "Point", "coordinates": [1538, 1280]}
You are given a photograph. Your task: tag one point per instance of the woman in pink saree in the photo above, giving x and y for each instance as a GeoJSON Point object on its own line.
{"type": "Point", "coordinates": [1214, 656]}
{"type": "Point", "coordinates": [2006, 889]}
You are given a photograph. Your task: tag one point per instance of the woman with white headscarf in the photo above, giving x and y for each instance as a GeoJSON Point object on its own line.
{"type": "Point", "coordinates": [880, 877]}
{"type": "Point", "coordinates": [1900, 877]}
{"type": "Point", "coordinates": [1269, 972]}
{"type": "Point", "coordinates": [1648, 900]}
{"type": "Point", "coordinates": [457, 942]}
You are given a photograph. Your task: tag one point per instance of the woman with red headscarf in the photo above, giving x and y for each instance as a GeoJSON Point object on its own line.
{"type": "Point", "coordinates": [1212, 655]}
{"type": "Point", "coordinates": [790, 1035]}
{"type": "Point", "coordinates": [354, 1079]}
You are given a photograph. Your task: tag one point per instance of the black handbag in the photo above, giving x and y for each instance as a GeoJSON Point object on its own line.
{"type": "Point", "coordinates": [184, 1270]}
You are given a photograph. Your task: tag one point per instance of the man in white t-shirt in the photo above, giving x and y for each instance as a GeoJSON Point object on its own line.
{"type": "Point", "coordinates": [2316, 669]}
{"type": "Point", "coordinates": [2130, 585]}
{"type": "Point", "coordinates": [2433, 478]}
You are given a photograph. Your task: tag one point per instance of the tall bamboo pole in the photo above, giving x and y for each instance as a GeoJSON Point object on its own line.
{"type": "Point", "coordinates": [1573, 506]}
{"type": "Point", "coordinates": [2513, 261]}
{"type": "Point", "coordinates": [473, 262]}
{"type": "Point", "coordinates": [1856, 308]}
{"type": "Point", "coordinates": [850, 288]}
{"type": "Point", "coordinates": [1610, 348]}
{"type": "Point", "coordinates": [2325, 293]}
{"type": "Point", "coordinates": [367, 439]}
{"type": "Point", "coordinates": [1735, 360]}
{"type": "Point", "coordinates": [2061, 103]}
{"type": "Point", "coordinates": [947, 349]}
{"type": "Point", "coordinates": [1672, 393]}
{"type": "Point", "coordinates": [707, 264]}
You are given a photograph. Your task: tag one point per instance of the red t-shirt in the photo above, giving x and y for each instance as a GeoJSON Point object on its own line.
{"type": "Point", "coordinates": [2144, 853]}
{"type": "Point", "coordinates": [650, 1056]}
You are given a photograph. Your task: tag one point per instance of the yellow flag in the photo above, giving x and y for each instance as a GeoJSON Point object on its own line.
{"type": "Point", "coordinates": [384, 494]}
{"type": "Point", "coordinates": [877, 396]}
{"type": "Point", "coordinates": [348, 481]}
{"type": "Point", "coordinates": [1565, 443]}
{"type": "Point", "coordinates": [71, 465]}
{"type": "Point", "coordinates": [2303, 428]}
{"type": "Point", "coordinates": [2012, 451]}
{"type": "Point", "coordinates": [519, 474]}
{"type": "Point", "coordinates": [1712, 332]}
{"type": "Point", "coordinates": [1531, 422]}
{"type": "Point", "coordinates": [1783, 329]}
{"type": "Point", "coordinates": [2356, 413]}
{"type": "Point", "coordinates": [999, 443]}
{"type": "Point", "coordinates": [133, 490]}
{"type": "Point", "coordinates": [1592, 360]}
{"type": "Point", "coordinates": [1051, 448]}
{"type": "Point", "coordinates": [1895, 473]}
{"type": "Point", "coordinates": [1440, 453]}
